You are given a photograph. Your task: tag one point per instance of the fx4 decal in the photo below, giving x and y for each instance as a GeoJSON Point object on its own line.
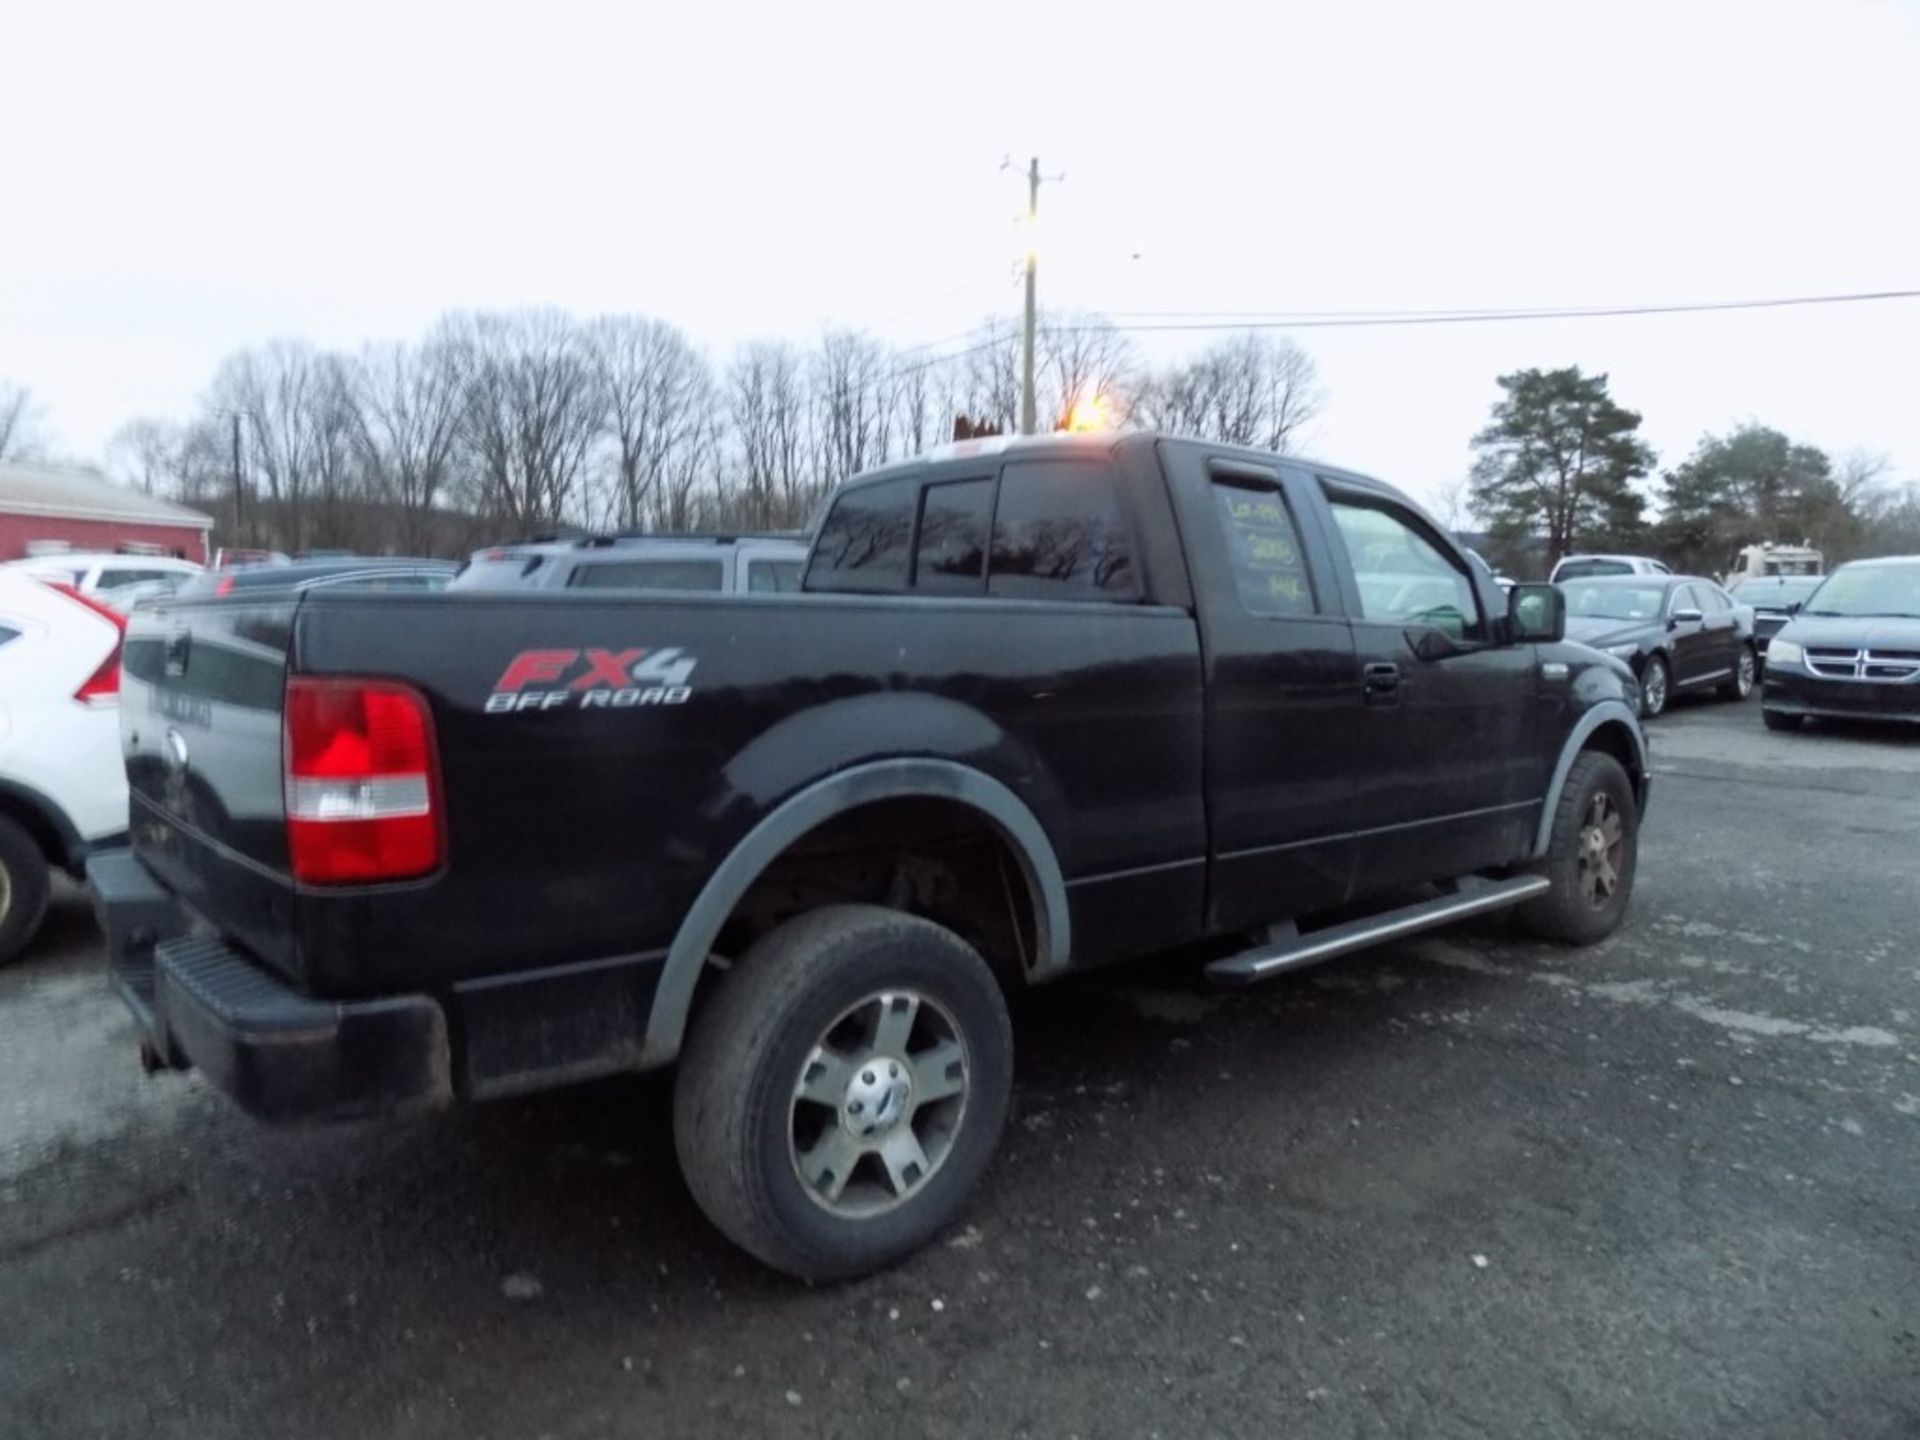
{"type": "Point", "coordinates": [592, 679]}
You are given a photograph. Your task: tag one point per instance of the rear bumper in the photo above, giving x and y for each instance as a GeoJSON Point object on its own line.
{"type": "Point", "coordinates": [282, 1056]}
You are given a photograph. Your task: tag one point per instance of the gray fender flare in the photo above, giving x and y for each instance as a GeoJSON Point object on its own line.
{"type": "Point", "coordinates": [1605, 712]}
{"type": "Point", "coordinates": [811, 807]}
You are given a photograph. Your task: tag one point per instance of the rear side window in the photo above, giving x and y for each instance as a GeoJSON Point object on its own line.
{"type": "Point", "coordinates": [950, 557]}
{"type": "Point", "coordinates": [864, 541]}
{"type": "Point", "coordinates": [676, 575]}
{"type": "Point", "coordinates": [773, 577]}
{"type": "Point", "coordinates": [1264, 548]}
{"type": "Point", "coordinates": [1059, 534]}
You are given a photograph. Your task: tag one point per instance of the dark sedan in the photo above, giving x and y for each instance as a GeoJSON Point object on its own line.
{"type": "Point", "coordinates": [1853, 650]}
{"type": "Point", "coordinates": [1678, 632]}
{"type": "Point", "coordinates": [1774, 599]}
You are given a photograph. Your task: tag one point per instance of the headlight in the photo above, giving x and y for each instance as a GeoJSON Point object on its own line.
{"type": "Point", "coordinates": [1623, 652]}
{"type": "Point", "coordinates": [1783, 652]}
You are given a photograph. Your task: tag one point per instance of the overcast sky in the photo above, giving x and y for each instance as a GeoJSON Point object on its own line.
{"type": "Point", "coordinates": [184, 179]}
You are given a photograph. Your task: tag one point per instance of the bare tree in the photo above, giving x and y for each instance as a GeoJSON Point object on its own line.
{"type": "Point", "coordinates": [147, 453]}
{"type": "Point", "coordinates": [1251, 390]}
{"type": "Point", "coordinates": [532, 414]}
{"type": "Point", "coordinates": [766, 406]}
{"type": "Point", "coordinates": [991, 385]}
{"type": "Point", "coordinates": [22, 436]}
{"type": "Point", "coordinates": [272, 390]}
{"type": "Point", "coordinates": [694, 460]}
{"type": "Point", "coordinates": [655, 390]}
{"type": "Point", "coordinates": [411, 408]}
{"type": "Point", "coordinates": [850, 373]}
{"type": "Point", "coordinates": [337, 444]}
{"type": "Point", "coordinates": [1080, 358]}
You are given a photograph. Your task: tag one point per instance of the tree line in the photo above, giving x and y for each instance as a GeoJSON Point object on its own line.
{"type": "Point", "coordinates": [497, 426]}
{"type": "Point", "coordinates": [1561, 467]}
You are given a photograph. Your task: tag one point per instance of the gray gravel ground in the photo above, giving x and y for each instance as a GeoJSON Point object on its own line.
{"type": "Point", "coordinates": [1464, 1186]}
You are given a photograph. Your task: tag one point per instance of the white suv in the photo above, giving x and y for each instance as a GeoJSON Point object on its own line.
{"type": "Point", "coordinates": [94, 572]}
{"type": "Point", "coordinates": [63, 791]}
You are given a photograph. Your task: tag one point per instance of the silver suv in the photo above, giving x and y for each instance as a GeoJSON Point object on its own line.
{"type": "Point", "coordinates": [714, 564]}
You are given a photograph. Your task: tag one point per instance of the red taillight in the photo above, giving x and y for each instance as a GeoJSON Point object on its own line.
{"type": "Point", "coordinates": [223, 587]}
{"type": "Point", "coordinates": [102, 687]}
{"type": "Point", "coordinates": [363, 782]}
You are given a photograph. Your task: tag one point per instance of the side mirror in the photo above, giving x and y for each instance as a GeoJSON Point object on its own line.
{"type": "Point", "coordinates": [1794, 607]}
{"type": "Point", "coordinates": [1536, 614]}
{"type": "Point", "coordinates": [1685, 617]}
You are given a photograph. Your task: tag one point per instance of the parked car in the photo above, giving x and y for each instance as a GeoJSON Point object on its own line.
{"type": "Point", "coordinates": [91, 572]}
{"type": "Point", "coordinates": [379, 573]}
{"type": "Point", "coordinates": [1049, 703]}
{"type": "Point", "coordinates": [1678, 632]}
{"type": "Point", "coordinates": [1582, 567]}
{"type": "Point", "coordinates": [1852, 652]}
{"type": "Point", "coordinates": [1774, 599]}
{"type": "Point", "coordinates": [713, 564]}
{"type": "Point", "coordinates": [63, 789]}
{"type": "Point", "coordinates": [236, 557]}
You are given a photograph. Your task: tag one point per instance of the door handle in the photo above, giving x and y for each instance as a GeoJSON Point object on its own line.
{"type": "Point", "coordinates": [1380, 683]}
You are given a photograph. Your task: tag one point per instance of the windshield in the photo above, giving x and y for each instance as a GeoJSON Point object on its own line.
{"type": "Point", "coordinates": [1615, 602]}
{"type": "Point", "coordinates": [1869, 590]}
{"type": "Point", "coordinates": [1776, 592]}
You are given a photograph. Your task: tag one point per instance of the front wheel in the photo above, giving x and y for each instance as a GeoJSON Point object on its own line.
{"type": "Point", "coordinates": [1656, 686]}
{"type": "Point", "coordinates": [841, 1094]}
{"type": "Point", "coordinates": [24, 888]}
{"type": "Point", "coordinates": [1745, 670]}
{"type": "Point", "coordinates": [1591, 855]}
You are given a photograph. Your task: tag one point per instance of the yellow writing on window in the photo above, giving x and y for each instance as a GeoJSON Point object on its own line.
{"type": "Point", "coordinates": [1272, 548]}
{"type": "Point", "coordinates": [1257, 512]}
{"type": "Point", "coordinates": [1288, 586]}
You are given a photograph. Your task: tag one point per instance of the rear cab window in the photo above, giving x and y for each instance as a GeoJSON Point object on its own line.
{"type": "Point", "coordinates": [1043, 529]}
{"type": "Point", "coordinates": [773, 577]}
{"type": "Point", "coordinates": [1059, 533]}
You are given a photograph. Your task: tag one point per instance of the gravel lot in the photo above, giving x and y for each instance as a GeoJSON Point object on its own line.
{"type": "Point", "coordinates": [1463, 1186]}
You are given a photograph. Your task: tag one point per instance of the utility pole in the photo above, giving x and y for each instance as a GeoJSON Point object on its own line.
{"type": "Point", "coordinates": [237, 513]}
{"type": "Point", "coordinates": [1027, 405]}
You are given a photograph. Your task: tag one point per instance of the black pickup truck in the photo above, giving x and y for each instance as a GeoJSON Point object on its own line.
{"type": "Point", "coordinates": [1046, 704]}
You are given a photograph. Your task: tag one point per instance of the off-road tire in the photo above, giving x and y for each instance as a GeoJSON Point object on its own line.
{"type": "Point", "coordinates": [734, 1097]}
{"type": "Point", "coordinates": [1567, 913]}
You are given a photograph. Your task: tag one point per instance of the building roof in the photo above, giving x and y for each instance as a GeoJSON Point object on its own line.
{"type": "Point", "coordinates": [77, 495]}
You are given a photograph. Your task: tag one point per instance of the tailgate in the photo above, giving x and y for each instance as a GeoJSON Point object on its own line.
{"type": "Point", "coordinates": [200, 724]}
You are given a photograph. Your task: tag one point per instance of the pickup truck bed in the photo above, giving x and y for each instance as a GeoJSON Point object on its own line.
{"type": "Point", "coordinates": [1045, 704]}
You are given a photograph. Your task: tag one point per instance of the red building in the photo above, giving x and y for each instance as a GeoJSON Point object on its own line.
{"type": "Point", "coordinates": [39, 504]}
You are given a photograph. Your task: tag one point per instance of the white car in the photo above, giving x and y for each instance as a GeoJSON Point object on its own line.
{"type": "Point", "coordinates": [63, 791]}
{"type": "Point", "coordinates": [91, 572]}
{"type": "Point", "coordinates": [1585, 567]}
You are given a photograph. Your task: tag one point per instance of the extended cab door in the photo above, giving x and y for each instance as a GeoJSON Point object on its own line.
{"type": "Point", "coordinates": [1444, 748]}
{"type": "Point", "coordinates": [1282, 691]}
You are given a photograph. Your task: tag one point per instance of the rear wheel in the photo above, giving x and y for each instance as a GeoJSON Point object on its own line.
{"type": "Point", "coordinates": [1745, 669]}
{"type": "Point", "coordinates": [1780, 720]}
{"type": "Point", "coordinates": [24, 887]}
{"type": "Point", "coordinates": [1592, 855]}
{"type": "Point", "coordinates": [1656, 687]}
{"type": "Point", "coordinates": [843, 1091]}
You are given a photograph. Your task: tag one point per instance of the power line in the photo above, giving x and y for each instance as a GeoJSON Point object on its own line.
{"type": "Point", "coordinates": [1142, 321]}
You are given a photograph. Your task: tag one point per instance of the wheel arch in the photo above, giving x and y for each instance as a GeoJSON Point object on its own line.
{"type": "Point", "coordinates": [822, 802]}
{"type": "Point", "coordinates": [44, 823]}
{"type": "Point", "coordinates": [1610, 728]}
